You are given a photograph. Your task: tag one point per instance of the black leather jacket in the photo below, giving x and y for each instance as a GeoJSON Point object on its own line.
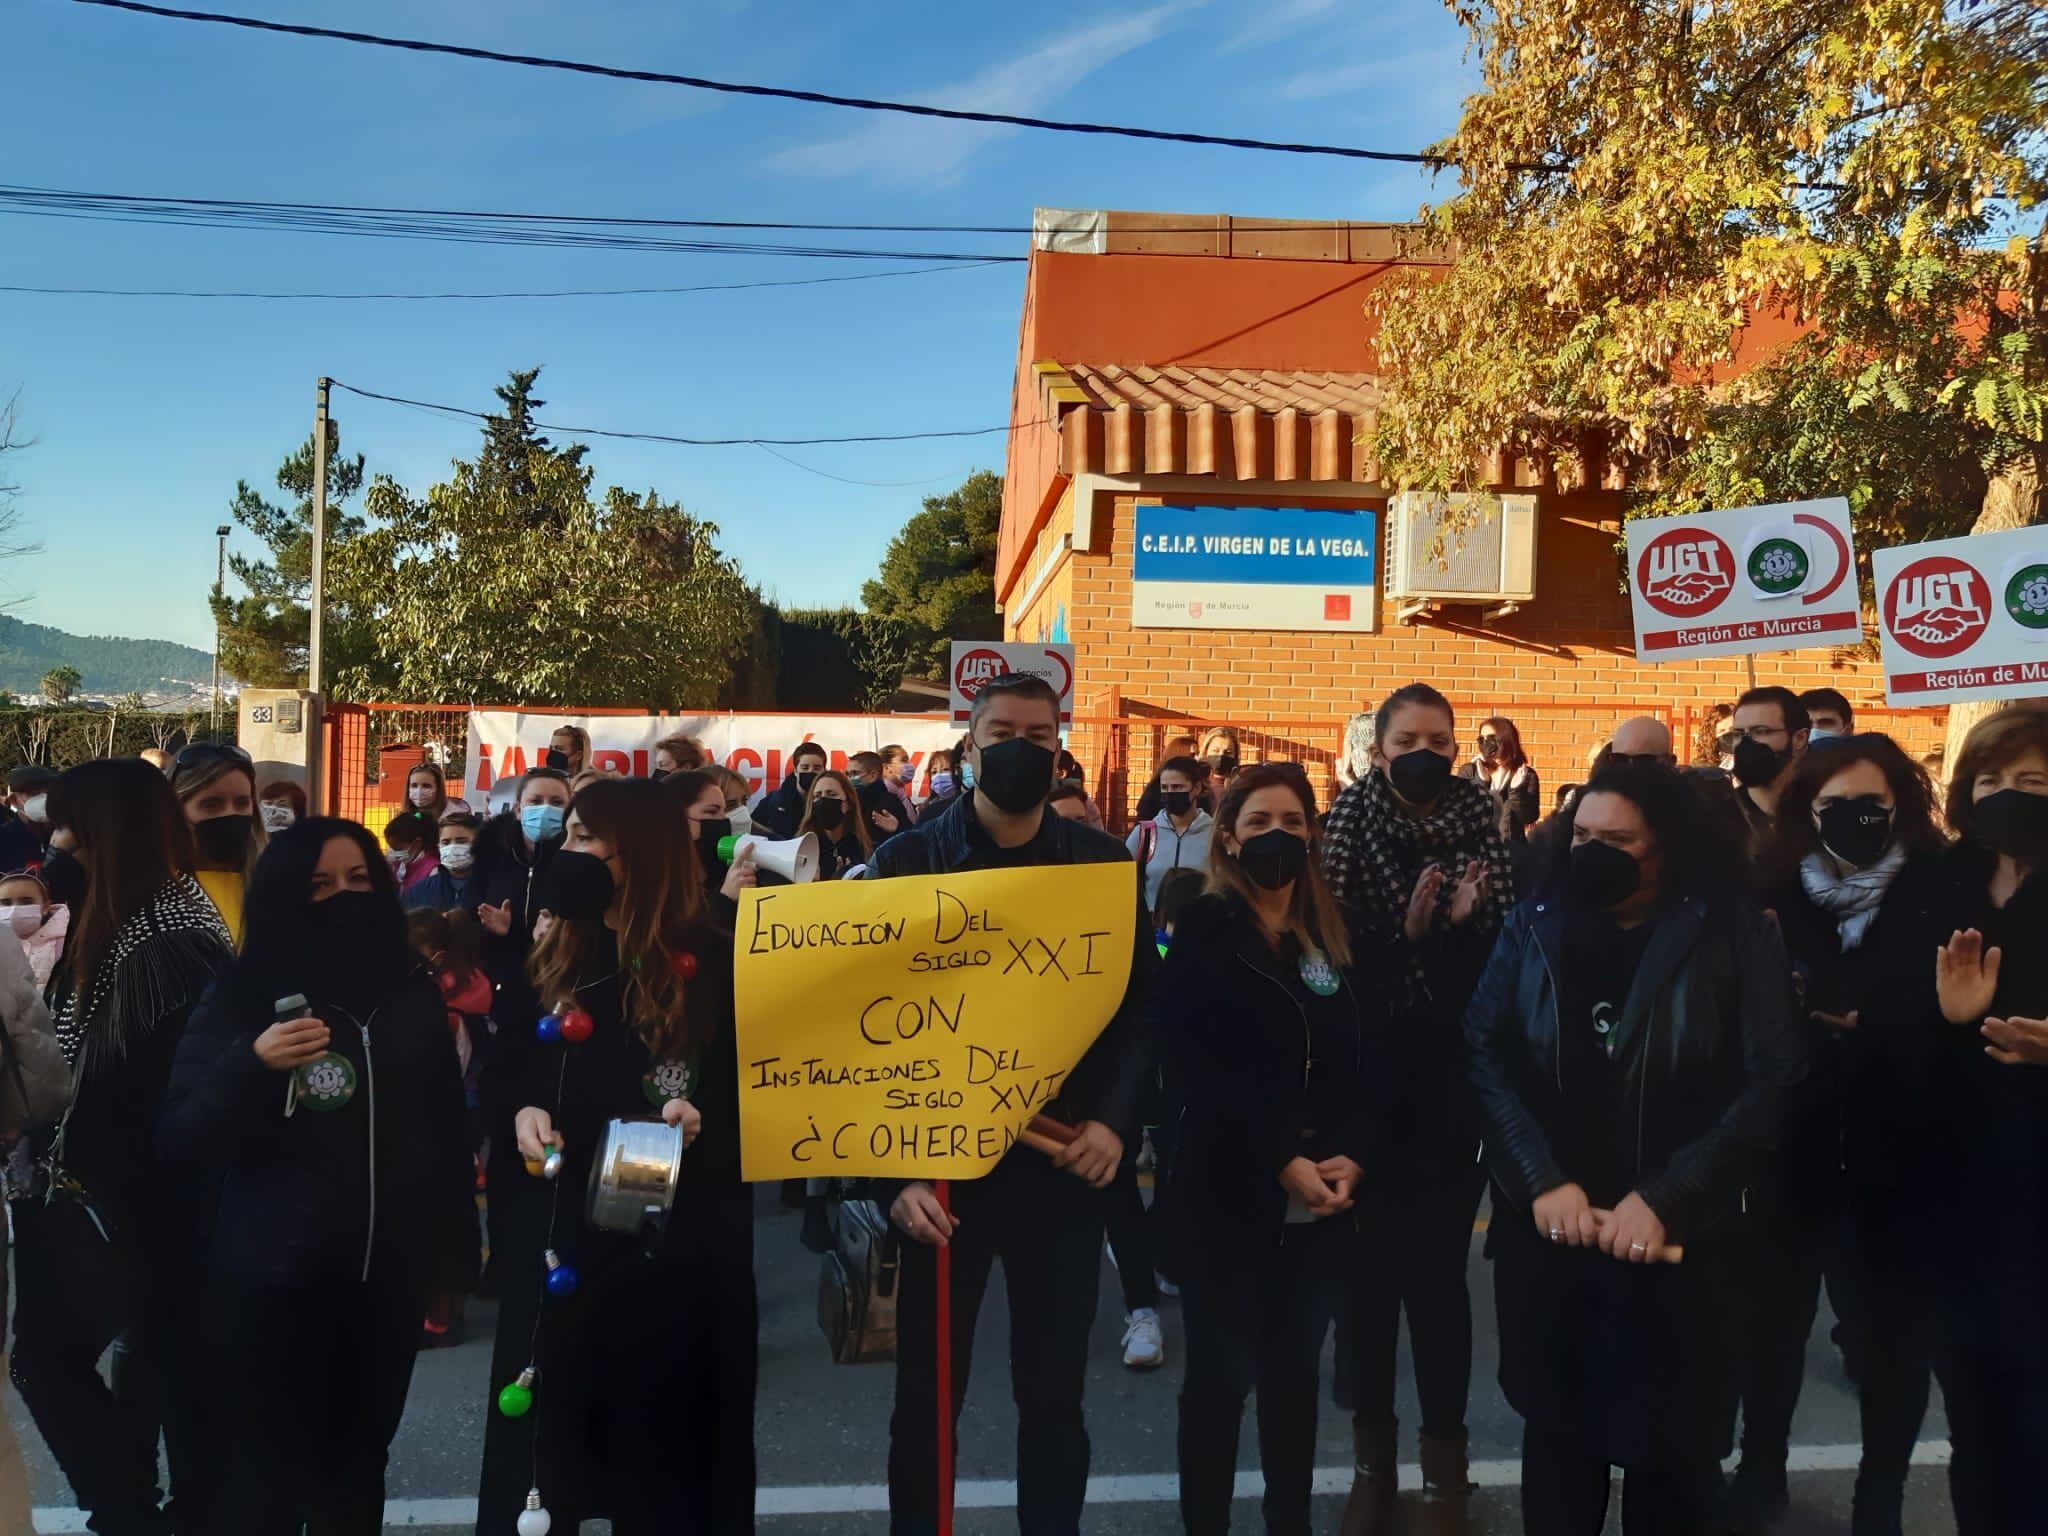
{"type": "Point", "coordinates": [1709, 1040]}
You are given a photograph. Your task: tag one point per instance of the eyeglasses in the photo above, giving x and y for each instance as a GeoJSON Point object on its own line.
{"type": "Point", "coordinates": [1754, 732]}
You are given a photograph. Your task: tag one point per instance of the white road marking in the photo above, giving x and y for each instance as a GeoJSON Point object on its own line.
{"type": "Point", "coordinates": [1142, 1488]}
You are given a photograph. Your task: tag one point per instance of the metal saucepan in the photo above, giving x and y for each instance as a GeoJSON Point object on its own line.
{"type": "Point", "coordinates": [633, 1180]}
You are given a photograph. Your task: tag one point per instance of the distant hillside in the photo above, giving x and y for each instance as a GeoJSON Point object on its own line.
{"type": "Point", "coordinates": [109, 665]}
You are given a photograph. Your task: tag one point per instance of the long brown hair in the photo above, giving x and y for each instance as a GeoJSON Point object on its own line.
{"type": "Point", "coordinates": [132, 837]}
{"type": "Point", "coordinates": [1511, 754]}
{"type": "Point", "coordinates": [1313, 916]}
{"type": "Point", "coordinates": [856, 814]}
{"type": "Point", "coordinates": [661, 907]}
{"type": "Point", "coordinates": [1793, 834]}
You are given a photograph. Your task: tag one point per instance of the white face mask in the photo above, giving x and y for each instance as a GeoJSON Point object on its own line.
{"type": "Point", "coordinates": [277, 815]}
{"type": "Point", "coordinates": [421, 795]}
{"type": "Point", "coordinates": [456, 858]}
{"type": "Point", "coordinates": [742, 820]}
{"type": "Point", "coordinates": [36, 808]}
{"type": "Point", "coordinates": [24, 919]}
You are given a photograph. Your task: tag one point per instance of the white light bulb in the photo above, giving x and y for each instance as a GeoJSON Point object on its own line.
{"type": "Point", "coordinates": [533, 1520]}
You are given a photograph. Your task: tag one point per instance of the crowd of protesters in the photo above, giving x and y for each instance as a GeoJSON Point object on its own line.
{"type": "Point", "coordinates": [1707, 1039]}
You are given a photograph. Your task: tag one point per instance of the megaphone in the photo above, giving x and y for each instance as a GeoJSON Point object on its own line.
{"type": "Point", "coordinates": [796, 860]}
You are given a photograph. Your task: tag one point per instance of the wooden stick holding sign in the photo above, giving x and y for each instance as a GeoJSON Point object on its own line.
{"type": "Point", "coordinates": [1663, 1253]}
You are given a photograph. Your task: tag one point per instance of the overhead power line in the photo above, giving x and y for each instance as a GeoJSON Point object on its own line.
{"type": "Point", "coordinates": [691, 442]}
{"type": "Point", "coordinates": [783, 93]}
{"type": "Point", "coordinates": [536, 293]}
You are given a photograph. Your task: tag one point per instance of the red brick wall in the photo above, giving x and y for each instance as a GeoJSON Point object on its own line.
{"type": "Point", "coordinates": [1563, 668]}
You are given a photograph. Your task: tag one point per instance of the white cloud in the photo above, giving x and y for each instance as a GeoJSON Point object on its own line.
{"type": "Point", "coordinates": [922, 151]}
{"type": "Point", "coordinates": [1270, 22]}
{"type": "Point", "coordinates": [1426, 71]}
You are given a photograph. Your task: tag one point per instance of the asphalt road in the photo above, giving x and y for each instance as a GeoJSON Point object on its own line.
{"type": "Point", "coordinates": [822, 1429]}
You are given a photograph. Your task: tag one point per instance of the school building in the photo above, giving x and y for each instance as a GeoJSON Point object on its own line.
{"type": "Point", "coordinates": [1193, 401]}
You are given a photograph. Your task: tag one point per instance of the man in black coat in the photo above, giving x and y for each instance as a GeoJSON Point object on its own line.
{"type": "Point", "coordinates": [782, 808]}
{"type": "Point", "coordinates": [1042, 1217]}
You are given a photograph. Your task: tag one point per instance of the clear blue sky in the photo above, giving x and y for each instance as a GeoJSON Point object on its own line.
{"type": "Point", "coordinates": [146, 411]}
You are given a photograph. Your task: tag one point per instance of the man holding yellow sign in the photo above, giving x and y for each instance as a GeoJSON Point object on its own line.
{"type": "Point", "coordinates": [1010, 984]}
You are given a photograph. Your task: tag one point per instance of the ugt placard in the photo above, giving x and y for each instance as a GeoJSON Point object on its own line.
{"type": "Point", "coordinates": [1964, 618]}
{"type": "Point", "coordinates": [1773, 578]}
{"type": "Point", "coordinates": [911, 1028]}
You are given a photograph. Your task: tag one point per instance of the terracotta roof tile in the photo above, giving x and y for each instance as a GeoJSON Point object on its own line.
{"type": "Point", "coordinates": [1234, 423]}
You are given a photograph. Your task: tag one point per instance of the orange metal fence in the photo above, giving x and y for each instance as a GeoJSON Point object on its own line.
{"type": "Point", "coordinates": [370, 746]}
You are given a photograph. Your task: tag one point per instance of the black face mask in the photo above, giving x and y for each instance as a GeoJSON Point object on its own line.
{"type": "Point", "coordinates": [581, 885]}
{"type": "Point", "coordinates": [1178, 802]}
{"type": "Point", "coordinates": [65, 876]}
{"type": "Point", "coordinates": [1223, 763]}
{"type": "Point", "coordinates": [1419, 776]}
{"type": "Point", "coordinates": [1856, 831]}
{"type": "Point", "coordinates": [342, 927]}
{"type": "Point", "coordinates": [827, 814]}
{"type": "Point", "coordinates": [1273, 859]}
{"type": "Point", "coordinates": [1015, 774]}
{"type": "Point", "coordinates": [1756, 764]}
{"type": "Point", "coordinates": [709, 835]}
{"type": "Point", "coordinates": [2013, 822]}
{"type": "Point", "coordinates": [805, 778]}
{"type": "Point", "coordinates": [1601, 876]}
{"type": "Point", "coordinates": [224, 840]}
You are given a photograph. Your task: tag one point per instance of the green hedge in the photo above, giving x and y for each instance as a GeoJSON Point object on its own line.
{"type": "Point", "coordinates": [62, 737]}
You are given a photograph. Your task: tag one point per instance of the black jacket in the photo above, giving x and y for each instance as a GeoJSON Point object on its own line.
{"type": "Point", "coordinates": [1234, 1029]}
{"type": "Point", "coordinates": [777, 813]}
{"type": "Point", "coordinates": [384, 1181]}
{"type": "Point", "coordinates": [1104, 1085]}
{"type": "Point", "coordinates": [1708, 1042]}
{"type": "Point", "coordinates": [508, 871]}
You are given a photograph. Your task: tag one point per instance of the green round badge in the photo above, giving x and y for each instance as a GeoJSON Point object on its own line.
{"type": "Point", "coordinates": [327, 1082]}
{"type": "Point", "coordinates": [667, 1080]}
{"type": "Point", "coordinates": [1317, 974]}
{"type": "Point", "coordinates": [2026, 597]}
{"type": "Point", "coordinates": [1778, 566]}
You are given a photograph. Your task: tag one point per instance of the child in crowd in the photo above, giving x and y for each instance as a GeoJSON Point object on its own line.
{"type": "Point", "coordinates": [412, 837]}
{"type": "Point", "coordinates": [40, 923]}
{"type": "Point", "coordinates": [453, 883]}
{"type": "Point", "coordinates": [451, 943]}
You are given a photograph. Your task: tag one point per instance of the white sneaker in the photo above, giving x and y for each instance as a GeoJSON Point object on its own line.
{"type": "Point", "coordinates": [1144, 1344]}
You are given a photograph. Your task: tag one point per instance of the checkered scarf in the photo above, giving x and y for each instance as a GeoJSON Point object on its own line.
{"type": "Point", "coordinates": [1374, 850]}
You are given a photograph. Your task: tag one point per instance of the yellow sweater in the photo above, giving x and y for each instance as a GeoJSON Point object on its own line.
{"type": "Point", "coordinates": [223, 888]}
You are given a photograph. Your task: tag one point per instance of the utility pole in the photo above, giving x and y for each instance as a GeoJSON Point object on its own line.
{"type": "Point", "coordinates": [220, 585]}
{"type": "Point", "coordinates": [318, 625]}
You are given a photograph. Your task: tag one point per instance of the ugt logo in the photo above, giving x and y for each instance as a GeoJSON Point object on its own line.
{"type": "Point", "coordinates": [1685, 572]}
{"type": "Point", "coordinates": [1937, 606]}
{"type": "Point", "coordinates": [979, 667]}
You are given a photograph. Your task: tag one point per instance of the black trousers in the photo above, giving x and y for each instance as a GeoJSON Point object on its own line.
{"type": "Point", "coordinates": [1565, 1491]}
{"type": "Point", "coordinates": [1256, 1314]}
{"type": "Point", "coordinates": [1420, 1270]}
{"type": "Point", "coordinates": [1130, 1227]}
{"type": "Point", "coordinates": [74, 1296]}
{"type": "Point", "coordinates": [315, 1381]}
{"type": "Point", "coordinates": [1799, 1238]}
{"type": "Point", "coordinates": [1045, 1226]}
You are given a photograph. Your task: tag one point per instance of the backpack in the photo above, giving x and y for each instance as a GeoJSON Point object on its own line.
{"type": "Point", "coordinates": [857, 1284]}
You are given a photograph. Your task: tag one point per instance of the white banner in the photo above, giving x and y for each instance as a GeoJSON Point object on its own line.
{"type": "Point", "coordinates": [505, 743]}
{"type": "Point", "coordinates": [1964, 618]}
{"type": "Point", "coordinates": [1774, 578]}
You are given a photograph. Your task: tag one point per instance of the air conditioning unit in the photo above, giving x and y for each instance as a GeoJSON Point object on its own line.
{"type": "Point", "coordinates": [1461, 547]}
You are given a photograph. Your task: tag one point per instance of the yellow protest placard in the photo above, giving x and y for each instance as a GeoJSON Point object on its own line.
{"type": "Point", "coordinates": [911, 1028]}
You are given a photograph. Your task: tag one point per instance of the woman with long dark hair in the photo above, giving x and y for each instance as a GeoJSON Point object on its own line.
{"type": "Point", "coordinates": [640, 1403]}
{"type": "Point", "coordinates": [1502, 767]}
{"type": "Point", "coordinates": [113, 1252]}
{"type": "Point", "coordinates": [1630, 1045]}
{"type": "Point", "coordinates": [1855, 837]}
{"type": "Point", "coordinates": [317, 1086]}
{"type": "Point", "coordinates": [1274, 1040]}
{"type": "Point", "coordinates": [1417, 853]}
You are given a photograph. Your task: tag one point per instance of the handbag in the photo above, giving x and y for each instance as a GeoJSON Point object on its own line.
{"type": "Point", "coordinates": [857, 1284]}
